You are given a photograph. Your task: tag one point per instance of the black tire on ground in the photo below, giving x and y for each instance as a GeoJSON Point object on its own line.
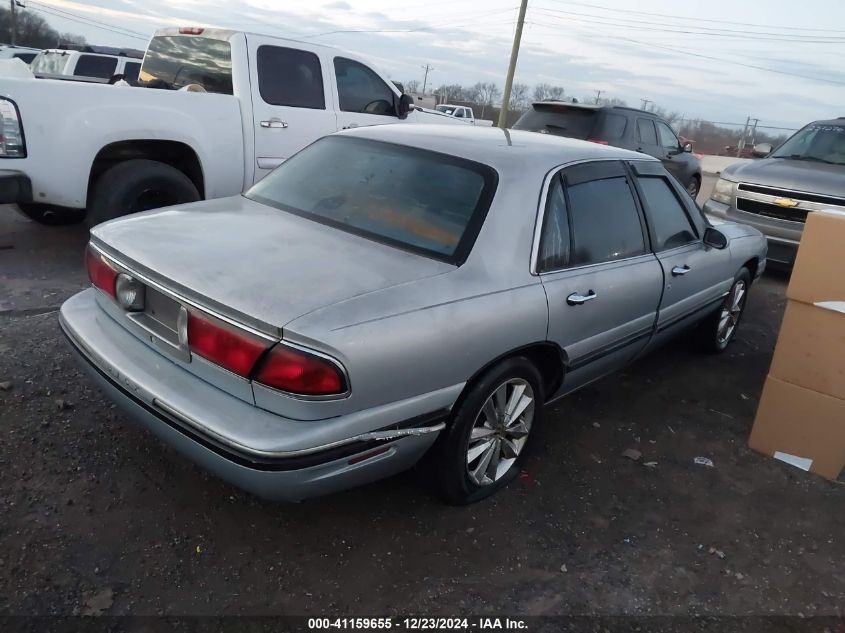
{"type": "Point", "coordinates": [693, 186]}
{"type": "Point", "coordinates": [138, 185]}
{"type": "Point", "coordinates": [51, 215]}
{"type": "Point", "coordinates": [448, 461]}
{"type": "Point", "coordinates": [710, 335]}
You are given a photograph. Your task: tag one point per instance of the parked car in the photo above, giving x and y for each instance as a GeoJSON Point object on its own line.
{"type": "Point", "coordinates": [23, 53]}
{"type": "Point", "coordinates": [344, 317]}
{"type": "Point", "coordinates": [464, 113]}
{"type": "Point", "coordinates": [774, 195]}
{"type": "Point", "coordinates": [91, 63]}
{"type": "Point", "coordinates": [117, 150]}
{"type": "Point", "coordinates": [630, 128]}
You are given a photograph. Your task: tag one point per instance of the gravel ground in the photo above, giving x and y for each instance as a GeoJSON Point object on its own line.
{"type": "Point", "coordinates": [97, 516]}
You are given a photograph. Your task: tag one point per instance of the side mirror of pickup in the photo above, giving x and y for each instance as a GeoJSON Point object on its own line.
{"type": "Point", "coordinates": [762, 149]}
{"type": "Point", "coordinates": [404, 106]}
{"type": "Point", "coordinates": [715, 238]}
{"type": "Point", "coordinates": [687, 147]}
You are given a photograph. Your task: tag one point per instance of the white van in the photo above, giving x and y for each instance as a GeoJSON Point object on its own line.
{"type": "Point", "coordinates": [91, 63]}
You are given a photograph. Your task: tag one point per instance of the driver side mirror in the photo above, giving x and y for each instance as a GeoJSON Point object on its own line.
{"type": "Point", "coordinates": [687, 148]}
{"type": "Point", "coordinates": [404, 106]}
{"type": "Point", "coordinates": [715, 238]}
{"type": "Point", "coordinates": [762, 150]}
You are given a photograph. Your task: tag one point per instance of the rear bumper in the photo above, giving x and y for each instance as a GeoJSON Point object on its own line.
{"type": "Point", "coordinates": [310, 468]}
{"type": "Point", "coordinates": [15, 187]}
{"type": "Point", "coordinates": [783, 237]}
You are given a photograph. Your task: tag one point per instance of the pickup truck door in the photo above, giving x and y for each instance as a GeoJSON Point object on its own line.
{"type": "Point", "coordinates": [696, 277]}
{"type": "Point", "coordinates": [292, 102]}
{"type": "Point", "coordinates": [363, 97]}
{"type": "Point", "coordinates": [602, 282]}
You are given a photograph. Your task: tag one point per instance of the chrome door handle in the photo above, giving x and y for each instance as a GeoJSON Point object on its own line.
{"type": "Point", "coordinates": [576, 299]}
{"type": "Point", "coordinates": [677, 271]}
{"type": "Point", "coordinates": [275, 123]}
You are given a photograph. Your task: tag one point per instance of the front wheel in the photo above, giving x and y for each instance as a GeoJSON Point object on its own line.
{"type": "Point", "coordinates": [719, 329]}
{"type": "Point", "coordinates": [486, 441]}
{"type": "Point", "coordinates": [138, 185]}
{"type": "Point", "coordinates": [693, 186]}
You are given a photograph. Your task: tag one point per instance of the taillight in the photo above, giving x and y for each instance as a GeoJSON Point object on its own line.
{"type": "Point", "coordinates": [597, 140]}
{"type": "Point", "coordinates": [101, 274]}
{"type": "Point", "coordinates": [191, 30]}
{"type": "Point", "coordinates": [222, 344]}
{"type": "Point", "coordinates": [299, 372]}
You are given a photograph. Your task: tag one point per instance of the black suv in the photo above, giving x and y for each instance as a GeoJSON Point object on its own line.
{"type": "Point", "coordinates": [628, 128]}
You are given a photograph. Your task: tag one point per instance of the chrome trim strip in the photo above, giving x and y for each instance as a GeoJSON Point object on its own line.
{"type": "Point", "coordinates": [782, 240]}
{"type": "Point", "coordinates": [180, 299]}
{"type": "Point", "coordinates": [787, 193]}
{"type": "Point", "coordinates": [541, 210]}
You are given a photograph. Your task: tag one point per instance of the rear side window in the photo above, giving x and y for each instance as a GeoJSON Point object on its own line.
{"type": "Point", "coordinates": [614, 126]}
{"type": "Point", "coordinates": [645, 132]}
{"type": "Point", "coordinates": [554, 239]}
{"type": "Point", "coordinates": [359, 89]}
{"type": "Point", "coordinates": [131, 70]}
{"type": "Point", "coordinates": [667, 136]}
{"type": "Point", "coordinates": [560, 120]}
{"type": "Point", "coordinates": [25, 57]}
{"type": "Point", "coordinates": [174, 61]}
{"type": "Point", "coordinates": [670, 224]}
{"type": "Point", "coordinates": [95, 66]}
{"type": "Point", "coordinates": [290, 77]}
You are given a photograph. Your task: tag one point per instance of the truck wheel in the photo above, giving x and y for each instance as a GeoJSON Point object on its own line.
{"type": "Point", "coordinates": [138, 185]}
{"type": "Point", "coordinates": [485, 443]}
{"type": "Point", "coordinates": [51, 215]}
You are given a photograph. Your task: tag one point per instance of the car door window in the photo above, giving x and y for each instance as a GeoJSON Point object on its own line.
{"type": "Point", "coordinates": [590, 222]}
{"type": "Point", "coordinates": [459, 113]}
{"type": "Point", "coordinates": [95, 66]}
{"type": "Point", "coordinates": [290, 77]}
{"type": "Point", "coordinates": [359, 89]}
{"type": "Point", "coordinates": [669, 223]}
{"type": "Point", "coordinates": [667, 136]}
{"type": "Point", "coordinates": [645, 132]}
{"type": "Point", "coordinates": [131, 70]}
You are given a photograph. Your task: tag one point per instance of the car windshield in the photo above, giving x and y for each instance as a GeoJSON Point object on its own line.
{"type": "Point", "coordinates": [385, 192]}
{"type": "Point", "coordinates": [445, 108]}
{"type": "Point", "coordinates": [816, 142]}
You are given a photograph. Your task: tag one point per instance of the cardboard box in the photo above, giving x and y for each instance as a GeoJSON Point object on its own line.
{"type": "Point", "coordinates": [802, 423]}
{"type": "Point", "coordinates": [819, 271]}
{"type": "Point", "coordinates": [810, 351]}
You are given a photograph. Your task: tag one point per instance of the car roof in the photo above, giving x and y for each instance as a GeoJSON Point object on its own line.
{"type": "Point", "coordinates": [837, 121]}
{"type": "Point", "coordinates": [501, 149]}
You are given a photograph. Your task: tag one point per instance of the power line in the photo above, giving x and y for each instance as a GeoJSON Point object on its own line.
{"type": "Point", "coordinates": [67, 15]}
{"type": "Point", "coordinates": [698, 19]}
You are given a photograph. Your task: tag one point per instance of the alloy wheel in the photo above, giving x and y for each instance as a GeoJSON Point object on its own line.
{"type": "Point", "coordinates": [731, 311]}
{"type": "Point", "coordinates": [500, 431]}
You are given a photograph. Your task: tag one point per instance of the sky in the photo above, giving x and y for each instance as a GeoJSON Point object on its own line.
{"type": "Point", "coordinates": [780, 61]}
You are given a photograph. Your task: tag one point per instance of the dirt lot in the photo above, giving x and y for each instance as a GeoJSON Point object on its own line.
{"type": "Point", "coordinates": [97, 515]}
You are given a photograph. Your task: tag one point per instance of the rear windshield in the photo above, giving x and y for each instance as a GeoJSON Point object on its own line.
{"type": "Point", "coordinates": [174, 61]}
{"type": "Point", "coordinates": [573, 122]}
{"type": "Point", "coordinates": [49, 63]}
{"type": "Point", "coordinates": [384, 192]}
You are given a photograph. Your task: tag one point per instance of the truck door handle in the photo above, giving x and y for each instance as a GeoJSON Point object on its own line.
{"type": "Point", "coordinates": [576, 299]}
{"type": "Point", "coordinates": [677, 271]}
{"type": "Point", "coordinates": [274, 123]}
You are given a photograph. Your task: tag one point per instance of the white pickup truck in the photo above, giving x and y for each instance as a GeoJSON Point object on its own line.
{"type": "Point", "coordinates": [462, 113]}
{"type": "Point", "coordinates": [231, 107]}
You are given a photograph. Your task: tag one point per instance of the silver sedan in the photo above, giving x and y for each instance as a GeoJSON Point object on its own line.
{"type": "Point", "coordinates": [399, 292]}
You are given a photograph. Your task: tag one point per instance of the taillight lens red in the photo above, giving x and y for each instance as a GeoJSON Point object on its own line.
{"type": "Point", "coordinates": [191, 30]}
{"type": "Point", "coordinates": [299, 372]}
{"type": "Point", "coordinates": [224, 345]}
{"type": "Point", "coordinates": [101, 274]}
{"type": "Point", "coordinates": [597, 140]}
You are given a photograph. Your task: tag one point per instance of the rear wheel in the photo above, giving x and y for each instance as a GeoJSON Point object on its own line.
{"type": "Point", "coordinates": [719, 329]}
{"type": "Point", "coordinates": [486, 441]}
{"type": "Point", "coordinates": [51, 215]}
{"type": "Point", "coordinates": [138, 185]}
{"type": "Point", "coordinates": [693, 186]}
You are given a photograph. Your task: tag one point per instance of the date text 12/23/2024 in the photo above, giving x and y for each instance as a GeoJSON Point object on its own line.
{"type": "Point", "coordinates": [417, 624]}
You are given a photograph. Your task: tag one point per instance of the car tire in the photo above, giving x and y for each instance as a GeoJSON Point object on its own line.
{"type": "Point", "coordinates": [138, 185]}
{"type": "Point", "coordinates": [693, 186]}
{"type": "Point", "coordinates": [475, 456]}
{"type": "Point", "coordinates": [719, 329]}
{"type": "Point", "coordinates": [51, 215]}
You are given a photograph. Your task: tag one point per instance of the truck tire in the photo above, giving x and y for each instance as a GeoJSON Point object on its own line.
{"type": "Point", "coordinates": [138, 185]}
{"type": "Point", "coordinates": [51, 215]}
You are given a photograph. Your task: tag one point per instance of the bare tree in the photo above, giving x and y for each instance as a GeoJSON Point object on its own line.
{"type": "Point", "coordinates": [485, 93]}
{"type": "Point", "coordinates": [544, 92]}
{"type": "Point", "coordinates": [412, 86]}
{"type": "Point", "coordinates": [33, 30]}
{"type": "Point", "coordinates": [519, 97]}
{"type": "Point", "coordinates": [613, 102]}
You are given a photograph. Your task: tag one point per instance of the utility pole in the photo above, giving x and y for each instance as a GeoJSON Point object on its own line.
{"type": "Point", "coordinates": [517, 38]}
{"type": "Point", "coordinates": [598, 95]}
{"type": "Point", "coordinates": [741, 144]}
{"type": "Point", "coordinates": [754, 131]}
{"type": "Point", "coordinates": [646, 102]}
{"type": "Point", "coordinates": [13, 22]}
{"type": "Point", "coordinates": [425, 78]}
